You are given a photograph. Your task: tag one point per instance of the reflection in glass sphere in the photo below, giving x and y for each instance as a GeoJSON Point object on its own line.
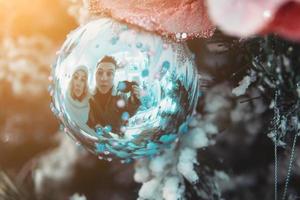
{"type": "Point", "coordinates": [123, 92]}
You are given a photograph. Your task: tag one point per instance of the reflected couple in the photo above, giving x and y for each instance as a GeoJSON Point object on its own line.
{"type": "Point", "coordinates": [112, 106]}
{"type": "Point", "coordinates": [109, 107]}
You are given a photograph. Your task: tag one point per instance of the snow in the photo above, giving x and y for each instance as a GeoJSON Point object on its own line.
{"type": "Point", "coordinates": [185, 166]}
{"type": "Point", "coordinates": [57, 165]}
{"type": "Point", "coordinates": [243, 85]}
{"type": "Point", "coordinates": [197, 139]}
{"type": "Point", "coordinates": [158, 164]}
{"type": "Point", "coordinates": [142, 173]}
{"type": "Point", "coordinates": [22, 60]}
{"type": "Point", "coordinates": [78, 197]}
{"type": "Point", "coordinates": [172, 189]}
{"type": "Point", "coordinates": [150, 190]}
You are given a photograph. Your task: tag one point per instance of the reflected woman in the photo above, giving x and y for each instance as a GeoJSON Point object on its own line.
{"type": "Point", "coordinates": [77, 98]}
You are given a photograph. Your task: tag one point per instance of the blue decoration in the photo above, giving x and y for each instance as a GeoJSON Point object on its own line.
{"type": "Point", "coordinates": [145, 73]}
{"type": "Point", "coordinates": [114, 40]}
{"type": "Point", "coordinates": [139, 45]}
{"type": "Point", "coordinates": [168, 138]}
{"type": "Point", "coordinates": [152, 145]}
{"type": "Point", "coordinates": [145, 48]}
{"type": "Point", "coordinates": [100, 148]}
{"type": "Point", "coordinates": [183, 128]}
{"type": "Point", "coordinates": [147, 92]}
{"type": "Point", "coordinates": [125, 116]}
{"type": "Point", "coordinates": [107, 128]}
{"type": "Point", "coordinates": [166, 65]}
{"type": "Point", "coordinates": [99, 131]}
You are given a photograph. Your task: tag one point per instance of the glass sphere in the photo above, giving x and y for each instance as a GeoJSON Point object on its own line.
{"type": "Point", "coordinates": [120, 91]}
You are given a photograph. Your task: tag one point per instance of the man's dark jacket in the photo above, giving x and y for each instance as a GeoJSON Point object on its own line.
{"type": "Point", "coordinates": [104, 110]}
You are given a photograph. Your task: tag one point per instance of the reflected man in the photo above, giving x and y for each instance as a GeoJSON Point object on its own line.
{"type": "Point", "coordinates": [108, 106]}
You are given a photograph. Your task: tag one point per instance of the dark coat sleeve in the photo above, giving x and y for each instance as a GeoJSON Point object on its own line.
{"type": "Point", "coordinates": [132, 105]}
{"type": "Point", "coordinates": [91, 120]}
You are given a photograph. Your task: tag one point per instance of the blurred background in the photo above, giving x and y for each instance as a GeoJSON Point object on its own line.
{"type": "Point", "coordinates": [39, 160]}
{"type": "Point", "coordinates": [31, 32]}
{"type": "Point", "coordinates": [29, 37]}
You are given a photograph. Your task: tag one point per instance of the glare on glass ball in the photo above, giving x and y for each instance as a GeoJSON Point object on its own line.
{"type": "Point", "coordinates": [121, 91]}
